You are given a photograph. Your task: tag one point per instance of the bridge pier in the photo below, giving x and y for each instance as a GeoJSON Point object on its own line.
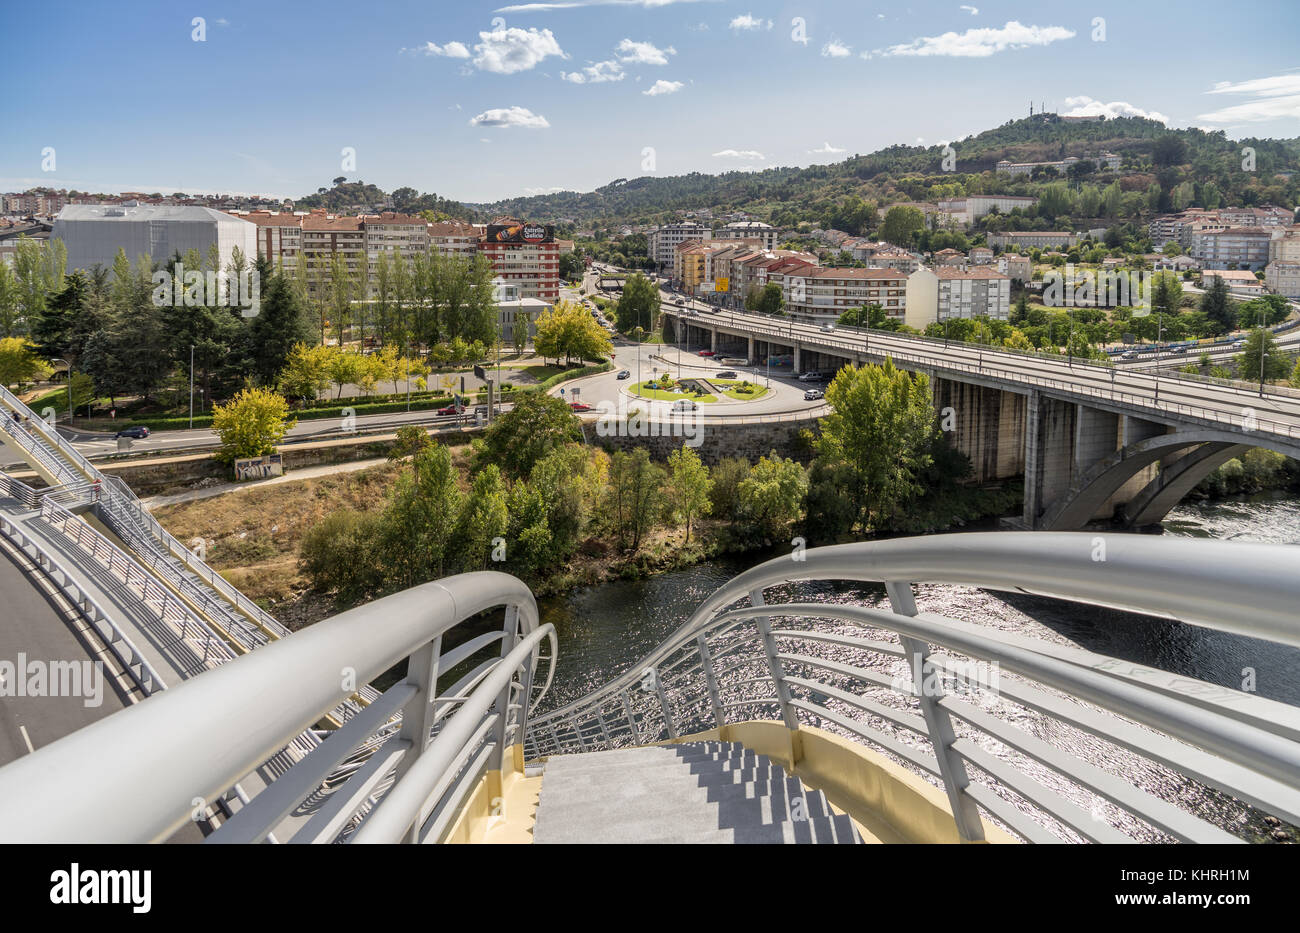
{"type": "Point", "coordinates": [986, 424]}
{"type": "Point", "coordinates": [749, 350]}
{"type": "Point", "coordinates": [1049, 452]}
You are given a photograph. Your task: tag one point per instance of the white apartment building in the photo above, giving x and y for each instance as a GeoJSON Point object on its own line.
{"type": "Point", "coordinates": [663, 241]}
{"type": "Point", "coordinates": [455, 238]}
{"type": "Point", "coordinates": [1107, 161]}
{"type": "Point", "coordinates": [822, 295]}
{"type": "Point", "coordinates": [965, 211]}
{"type": "Point", "coordinates": [404, 235]}
{"type": "Point", "coordinates": [954, 292]}
{"type": "Point", "coordinates": [1239, 247]}
{"type": "Point", "coordinates": [766, 234]}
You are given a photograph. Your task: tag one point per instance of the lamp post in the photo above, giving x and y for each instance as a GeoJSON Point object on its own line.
{"type": "Point", "coordinates": [191, 387]}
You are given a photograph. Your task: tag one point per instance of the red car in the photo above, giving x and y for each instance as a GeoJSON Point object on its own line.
{"type": "Point", "coordinates": [707, 353]}
{"type": "Point", "coordinates": [580, 406]}
{"type": "Point", "coordinates": [451, 410]}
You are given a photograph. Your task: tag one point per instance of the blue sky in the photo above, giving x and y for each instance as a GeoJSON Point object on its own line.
{"type": "Point", "coordinates": [575, 93]}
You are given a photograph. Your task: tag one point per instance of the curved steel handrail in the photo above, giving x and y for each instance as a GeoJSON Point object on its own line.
{"type": "Point", "coordinates": [201, 737]}
{"type": "Point", "coordinates": [727, 661]}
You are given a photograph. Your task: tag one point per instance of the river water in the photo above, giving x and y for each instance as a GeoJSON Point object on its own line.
{"type": "Point", "coordinates": [603, 630]}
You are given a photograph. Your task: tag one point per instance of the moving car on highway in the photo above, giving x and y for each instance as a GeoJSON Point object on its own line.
{"type": "Point", "coordinates": [624, 374]}
{"type": "Point", "coordinates": [811, 377]}
{"type": "Point", "coordinates": [139, 432]}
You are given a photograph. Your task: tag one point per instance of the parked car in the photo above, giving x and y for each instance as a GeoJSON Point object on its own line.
{"type": "Point", "coordinates": [813, 395]}
{"type": "Point", "coordinates": [139, 432]}
{"type": "Point", "coordinates": [624, 374]}
{"type": "Point", "coordinates": [684, 404]}
{"type": "Point", "coordinates": [726, 374]}
{"type": "Point", "coordinates": [811, 377]}
{"type": "Point", "coordinates": [707, 353]}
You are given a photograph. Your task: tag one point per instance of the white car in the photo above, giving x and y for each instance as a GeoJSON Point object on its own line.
{"type": "Point", "coordinates": [684, 404]}
{"type": "Point", "coordinates": [811, 377]}
{"type": "Point", "coordinates": [828, 328]}
{"type": "Point", "coordinates": [813, 394]}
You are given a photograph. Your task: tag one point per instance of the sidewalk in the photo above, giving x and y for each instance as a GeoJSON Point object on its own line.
{"type": "Point", "coordinates": [208, 492]}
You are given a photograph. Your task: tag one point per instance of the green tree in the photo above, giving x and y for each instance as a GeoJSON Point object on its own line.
{"type": "Point", "coordinates": [639, 304]}
{"type": "Point", "coordinates": [536, 425]}
{"type": "Point", "coordinates": [881, 427]}
{"type": "Point", "coordinates": [19, 362]}
{"type": "Point", "coordinates": [688, 487]}
{"type": "Point", "coordinates": [570, 331]}
{"type": "Point", "coordinates": [1276, 364]}
{"type": "Point", "coordinates": [341, 555]}
{"type": "Point", "coordinates": [251, 424]}
{"type": "Point", "coordinates": [635, 496]}
{"type": "Point", "coordinates": [1218, 306]}
{"type": "Point", "coordinates": [900, 224]}
{"type": "Point", "coordinates": [483, 517]}
{"type": "Point", "coordinates": [420, 520]}
{"type": "Point", "coordinates": [280, 325]}
{"type": "Point", "coordinates": [772, 495]}
{"type": "Point", "coordinates": [767, 300]}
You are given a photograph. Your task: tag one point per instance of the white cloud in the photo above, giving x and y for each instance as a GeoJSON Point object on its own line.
{"type": "Point", "coordinates": [836, 49]}
{"type": "Point", "coordinates": [747, 23]}
{"type": "Point", "coordinates": [506, 51]}
{"type": "Point", "coordinates": [598, 73]}
{"type": "Point", "coordinates": [826, 149]}
{"type": "Point", "coordinates": [663, 87]}
{"type": "Point", "coordinates": [1275, 98]}
{"type": "Point", "coordinates": [977, 43]}
{"type": "Point", "coordinates": [510, 116]}
{"type": "Point", "coordinates": [552, 190]}
{"type": "Point", "coordinates": [450, 50]}
{"type": "Point", "coordinates": [749, 155]}
{"type": "Point", "coordinates": [973, 11]}
{"type": "Point", "coordinates": [643, 53]}
{"type": "Point", "coordinates": [1085, 106]}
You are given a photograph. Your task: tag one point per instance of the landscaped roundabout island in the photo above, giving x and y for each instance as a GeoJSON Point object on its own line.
{"type": "Point", "coordinates": [665, 388]}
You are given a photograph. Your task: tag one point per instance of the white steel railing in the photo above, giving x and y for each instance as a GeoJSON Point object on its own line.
{"type": "Point", "coordinates": [1045, 739]}
{"type": "Point", "coordinates": [368, 781]}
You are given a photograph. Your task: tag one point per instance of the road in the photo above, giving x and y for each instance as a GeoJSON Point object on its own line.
{"type": "Point", "coordinates": [34, 628]}
{"type": "Point", "coordinates": [1159, 393]}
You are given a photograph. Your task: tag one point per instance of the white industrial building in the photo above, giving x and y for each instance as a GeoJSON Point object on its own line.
{"type": "Point", "coordinates": [93, 233]}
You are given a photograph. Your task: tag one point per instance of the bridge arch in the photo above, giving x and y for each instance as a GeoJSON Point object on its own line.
{"type": "Point", "coordinates": [1205, 449]}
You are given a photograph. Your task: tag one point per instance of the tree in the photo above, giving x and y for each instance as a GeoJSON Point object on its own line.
{"type": "Point", "coordinates": [767, 300]}
{"type": "Point", "coordinates": [772, 495]}
{"type": "Point", "coordinates": [9, 301]}
{"type": "Point", "coordinates": [900, 224]}
{"type": "Point", "coordinates": [1276, 364]}
{"type": "Point", "coordinates": [410, 440]}
{"type": "Point", "coordinates": [638, 304]}
{"type": "Point", "coordinates": [280, 326]}
{"type": "Point", "coordinates": [483, 517]}
{"type": "Point", "coordinates": [306, 371]}
{"type": "Point", "coordinates": [1167, 294]}
{"type": "Point", "coordinates": [881, 428]}
{"type": "Point", "coordinates": [688, 487]}
{"type": "Point", "coordinates": [420, 520]}
{"type": "Point", "coordinates": [570, 331]}
{"type": "Point", "coordinates": [635, 495]}
{"type": "Point", "coordinates": [536, 425]}
{"type": "Point", "coordinates": [1217, 306]}
{"type": "Point", "coordinates": [251, 424]}
{"type": "Point", "coordinates": [19, 362]}
{"type": "Point", "coordinates": [341, 554]}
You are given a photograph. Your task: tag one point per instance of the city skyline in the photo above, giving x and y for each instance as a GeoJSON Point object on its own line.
{"type": "Point", "coordinates": [504, 100]}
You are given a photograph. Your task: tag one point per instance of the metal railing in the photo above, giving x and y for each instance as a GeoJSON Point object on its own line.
{"type": "Point", "coordinates": [1045, 739]}
{"type": "Point", "coordinates": [1075, 388]}
{"type": "Point", "coordinates": [368, 781]}
{"type": "Point", "coordinates": [104, 623]}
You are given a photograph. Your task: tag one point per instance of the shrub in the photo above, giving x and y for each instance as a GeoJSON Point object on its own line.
{"type": "Point", "coordinates": [340, 555]}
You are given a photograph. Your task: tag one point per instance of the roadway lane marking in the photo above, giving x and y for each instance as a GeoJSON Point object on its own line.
{"type": "Point", "coordinates": [27, 739]}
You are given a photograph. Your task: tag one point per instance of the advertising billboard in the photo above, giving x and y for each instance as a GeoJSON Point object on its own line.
{"type": "Point", "coordinates": [721, 285]}
{"type": "Point", "coordinates": [520, 233]}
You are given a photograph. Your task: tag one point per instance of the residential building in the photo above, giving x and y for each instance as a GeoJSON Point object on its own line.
{"type": "Point", "coordinates": [323, 236]}
{"type": "Point", "coordinates": [948, 257]}
{"type": "Point", "coordinates": [1239, 281]}
{"type": "Point", "coordinates": [766, 234]}
{"type": "Point", "coordinates": [1034, 239]}
{"type": "Point", "coordinates": [396, 235]}
{"type": "Point", "coordinates": [951, 292]}
{"type": "Point", "coordinates": [966, 210]}
{"type": "Point", "coordinates": [511, 306]}
{"type": "Point", "coordinates": [1018, 268]}
{"type": "Point", "coordinates": [1284, 246]}
{"type": "Point", "coordinates": [279, 237]}
{"type": "Point", "coordinates": [822, 295]}
{"type": "Point", "coordinates": [662, 241]}
{"type": "Point", "coordinates": [1107, 161]}
{"type": "Point", "coordinates": [1283, 278]}
{"type": "Point", "coordinates": [980, 255]}
{"type": "Point", "coordinates": [93, 234]}
{"type": "Point", "coordinates": [12, 230]}
{"type": "Point", "coordinates": [1231, 248]}
{"type": "Point", "coordinates": [524, 254]}
{"type": "Point", "coordinates": [454, 238]}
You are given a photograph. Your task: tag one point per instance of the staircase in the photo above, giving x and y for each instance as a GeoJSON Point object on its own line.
{"type": "Point", "coordinates": [701, 792]}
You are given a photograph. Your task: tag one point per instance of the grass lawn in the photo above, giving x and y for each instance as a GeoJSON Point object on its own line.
{"type": "Point", "coordinates": [733, 390]}
{"type": "Point", "coordinates": [660, 395]}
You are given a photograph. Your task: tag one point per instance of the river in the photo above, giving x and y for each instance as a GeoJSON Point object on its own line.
{"type": "Point", "coordinates": [604, 629]}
